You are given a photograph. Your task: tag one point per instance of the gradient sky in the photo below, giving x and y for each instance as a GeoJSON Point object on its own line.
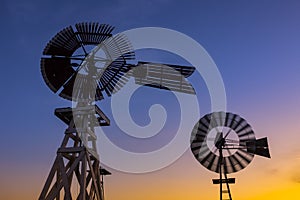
{"type": "Point", "coordinates": [255, 44]}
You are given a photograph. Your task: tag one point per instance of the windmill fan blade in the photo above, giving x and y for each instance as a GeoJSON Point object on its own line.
{"type": "Point", "coordinates": [247, 135]}
{"type": "Point", "coordinates": [164, 76]}
{"type": "Point", "coordinates": [207, 159]}
{"type": "Point", "coordinates": [235, 163]}
{"type": "Point", "coordinates": [232, 118]}
{"type": "Point", "coordinates": [67, 92]}
{"type": "Point", "coordinates": [118, 49]}
{"type": "Point", "coordinates": [114, 77]}
{"type": "Point", "coordinates": [63, 43]}
{"type": "Point", "coordinates": [218, 119]}
{"type": "Point", "coordinates": [204, 123]}
{"type": "Point", "coordinates": [238, 121]}
{"type": "Point", "coordinates": [245, 157]}
{"type": "Point", "coordinates": [56, 71]}
{"type": "Point", "coordinates": [93, 33]}
{"type": "Point", "coordinates": [225, 165]}
{"type": "Point", "coordinates": [198, 138]}
{"type": "Point", "coordinates": [213, 161]}
{"type": "Point", "coordinates": [243, 128]}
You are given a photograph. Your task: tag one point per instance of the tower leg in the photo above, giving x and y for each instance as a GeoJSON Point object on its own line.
{"type": "Point", "coordinates": [73, 165]}
{"type": "Point", "coordinates": [77, 160]}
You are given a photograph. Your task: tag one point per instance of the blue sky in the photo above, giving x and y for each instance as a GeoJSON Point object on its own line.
{"type": "Point", "coordinates": [255, 45]}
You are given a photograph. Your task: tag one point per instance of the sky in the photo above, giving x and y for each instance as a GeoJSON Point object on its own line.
{"type": "Point", "coordinates": [255, 45]}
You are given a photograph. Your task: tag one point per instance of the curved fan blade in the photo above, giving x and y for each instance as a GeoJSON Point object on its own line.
{"type": "Point", "coordinates": [207, 159]}
{"type": "Point", "coordinates": [246, 134]}
{"type": "Point", "coordinates": [202, 152]}
{"type": "Point", "coordinates": [56, 71]}
{"type": "Point", "coordinates": [244, 158]}
{"type": "Point", "coordinates": [227, 119]}
{"type": "Point", "coordinates": [203, 125]}
{"type": "Point", "coordinates": [212, 161]}
{"type": "Point", "coordinates": [233, 118]}
{"type": "Point", "coordinates": [118, 49]}
{"type": "Point", "coordinates": [225, 165]}
{"type": "Point", "coordinates": [239, 120]}
{"type": "Point", "coordinates": [213, 120]}
{"type": "Point", "coordinates": [67, 92]}
{"type": "Point", "coordinates": [242, 128]}
{"type": "Point", "coordinates": [113, 78]}
{"type": "Point", "coordinates": [235, 163]}
{"type": "Point", "coordinates": [221, 116]}
{"type": "Point", "coordinates": [198, 138]}
{"type": "Point", "coordinates": [195, 146]}
{"type": "Point", "coordinates": [63, 43]}
{"type": "Point", "coordinates": [93, 33]}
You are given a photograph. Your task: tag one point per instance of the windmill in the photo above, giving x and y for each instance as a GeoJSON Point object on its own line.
{"type": "Point", "coordinates": [80, 63]}
{"type": "Point", "coordinates": [225, 143]}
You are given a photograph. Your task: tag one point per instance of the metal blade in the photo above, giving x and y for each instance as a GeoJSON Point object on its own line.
{"type": "Point", "coordinates": [206, 158]}
{"type": "Point", "coordinates": [232, 120]}
{"type": "Point", "coordinates": [243, 157]}
{"type": "Point", "coordinates": [63, 43]}
{"type": "Point", "coordinates": [225, 163]}
{"type": "Point", "coordinates": [232, 164]}
{"type": "Point", "coordinates": [56, 71]}
{"type": "Point", "coordinates": [248, 133]}
{"type": "Point", "coordinates": [212, 161]}
{"type": "Point", "coordinates": [234, 126]}
{"type": "Point", "coordinates": [237, 164]}
{"type": "Point", "coordinates": [242, 128]}
{"type": "Point", "coordinates": [205, 121]}
{"type": "Point", "coordinates": [93, 33]}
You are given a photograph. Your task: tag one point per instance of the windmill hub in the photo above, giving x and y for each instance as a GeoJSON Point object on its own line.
{"type": "Point", "coordinates": [216, 140]}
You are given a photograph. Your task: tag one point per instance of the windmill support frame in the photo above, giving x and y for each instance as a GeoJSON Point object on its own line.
{"type": "Point", "coordinates": [77, 158]}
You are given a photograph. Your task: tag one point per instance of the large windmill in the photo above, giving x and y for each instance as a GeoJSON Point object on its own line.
{"type": "Point", "coordinates": [225, 143]}
{"type": "Point", "coordinates": [80, 63]}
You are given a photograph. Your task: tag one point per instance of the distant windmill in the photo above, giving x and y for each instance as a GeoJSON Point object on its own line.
{"type": "Point", "coordinates": [72, 67]}
{"type": "Point", "coordinates": [225, 143]}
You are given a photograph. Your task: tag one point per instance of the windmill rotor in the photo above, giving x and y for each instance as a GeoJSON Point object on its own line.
{"type": "Point", "coordinates": [225, 143]}
{"type": "Point", "coordinates": [68, 58]}
{"type": "Point", "coordinates": [228, 131]}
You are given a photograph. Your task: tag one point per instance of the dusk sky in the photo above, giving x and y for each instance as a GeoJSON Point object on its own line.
{"type": "Point", "coordinates": [255, 45]}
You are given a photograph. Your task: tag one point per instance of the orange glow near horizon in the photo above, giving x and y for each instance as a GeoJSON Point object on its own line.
{"type": "Point", "coordinates": [185, 179]}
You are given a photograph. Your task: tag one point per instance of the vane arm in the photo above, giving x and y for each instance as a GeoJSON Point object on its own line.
{"type": "Point", "coordinates": [227, 133]}
{"type": "Point", "coordinates": [234, 147]}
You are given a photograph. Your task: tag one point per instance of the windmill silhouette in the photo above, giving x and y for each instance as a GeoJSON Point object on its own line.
{"type": "Point", "coordinates": [80, 63]}
{"type": "Point", "coordinates": [225, 143]}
